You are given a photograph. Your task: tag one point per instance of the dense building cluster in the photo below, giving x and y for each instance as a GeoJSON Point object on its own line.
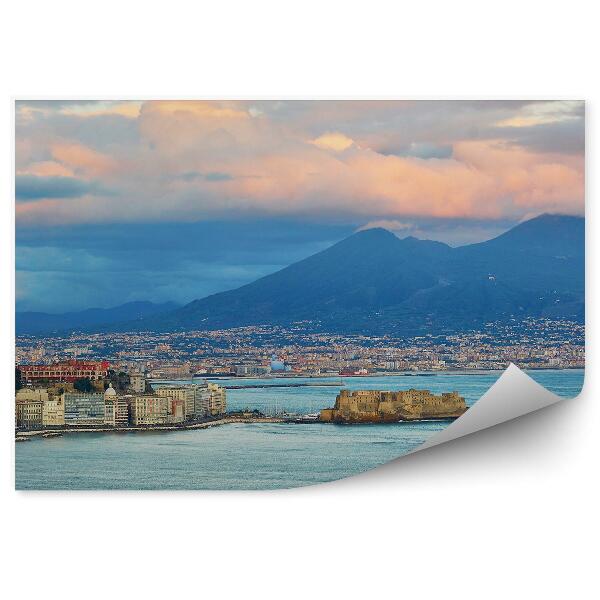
{"type": "Point", "coordinates": [56, 406]}
{"type": "Point", "coordinates": [301, 350]}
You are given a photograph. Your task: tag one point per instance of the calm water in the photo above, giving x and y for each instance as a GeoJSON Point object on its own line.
{"type": "Point", "coordinates": [251, 456]}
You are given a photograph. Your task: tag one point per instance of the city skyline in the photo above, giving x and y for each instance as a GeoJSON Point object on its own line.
{"type": "Point", "coordinates": [171, 201]}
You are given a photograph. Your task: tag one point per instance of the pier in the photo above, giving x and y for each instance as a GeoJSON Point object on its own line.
{"type": "Point", "coordinates": [285, 385]}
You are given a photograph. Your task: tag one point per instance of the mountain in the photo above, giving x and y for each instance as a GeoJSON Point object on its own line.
{"type": "Point", "coordinates": [34, 323]}
{"type": "Point", "coordinates": [373, 281]}
{"type": "Point", "coordinates": [535, 269]}
{"type": "Point", "coordinates": [547, 251]}
{"type": "Point", "coordinates": [368, 270]}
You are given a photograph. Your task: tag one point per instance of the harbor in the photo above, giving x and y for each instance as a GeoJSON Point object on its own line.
{"type": "Point", "coordinates": [268, 452]}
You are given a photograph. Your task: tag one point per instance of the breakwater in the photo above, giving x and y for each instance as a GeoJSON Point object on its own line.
{"type": "Point", "coordinates": [21, 435]}
{"type": "Point", "coordinates": [285, 385]}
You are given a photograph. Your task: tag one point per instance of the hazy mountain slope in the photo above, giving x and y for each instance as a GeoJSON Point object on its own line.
{"type": "Point", "coordinates": [40, 322]}
{"type": "Point", "coordinates": [537, 268]}
{"type": "Point", "coordinates": [543, 253]}
{"type": "Point", "coordinates": [369, 269]}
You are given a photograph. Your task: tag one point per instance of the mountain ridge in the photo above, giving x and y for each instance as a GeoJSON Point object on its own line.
{"type": "Point", "coordinates": [375, 282]}
{"type": "Point", "coordinates": [37, 322]}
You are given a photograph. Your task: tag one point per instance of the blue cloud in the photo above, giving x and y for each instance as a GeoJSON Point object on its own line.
{"type": "Point", "coordinates": [73, 267]}
{"type": "Point", "coordinates": [212, 176]}
{"type": "Point", "coordinates": [216, 176]}
{"type": "Point", "coordinates": [564, 137]}
{"type": "Point", "coordinates": [31, 187]}
{"type": "Point", "coordinates": [419, 150]}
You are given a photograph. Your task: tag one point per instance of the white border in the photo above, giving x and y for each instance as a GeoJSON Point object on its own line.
{"type": "Point", "coordinates": [511, 512]}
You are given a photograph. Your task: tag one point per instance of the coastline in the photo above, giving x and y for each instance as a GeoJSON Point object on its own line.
{"type": "Point", "coordinates": [150, 428]}
{"type": "Point", "coordinates": [209, 377]}
{"type": "Point", "coordinates": [297, 405]}
{"type": "Point", "coordinates": [21, 436]}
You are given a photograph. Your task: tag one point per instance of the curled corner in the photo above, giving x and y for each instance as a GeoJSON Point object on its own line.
{"type": "Point", "coordinates": [513, 395]}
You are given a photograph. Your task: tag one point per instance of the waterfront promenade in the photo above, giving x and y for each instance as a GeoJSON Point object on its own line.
{"type": "Point", "coordinates": [228, 420]}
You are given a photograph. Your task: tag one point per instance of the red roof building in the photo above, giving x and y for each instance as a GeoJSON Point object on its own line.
{"type": "Point", "coordinates": [65, 371]}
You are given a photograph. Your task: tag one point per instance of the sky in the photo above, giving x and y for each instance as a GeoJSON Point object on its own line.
{"type": "Point", "coordinates": [174, 200]}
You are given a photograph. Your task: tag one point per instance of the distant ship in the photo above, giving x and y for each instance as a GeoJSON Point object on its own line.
{"type": "Point", "coordinates": [349, 372]}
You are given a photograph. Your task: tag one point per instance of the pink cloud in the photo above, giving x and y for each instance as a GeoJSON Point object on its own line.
{"type": "Point", "coordinates": [83, 160]}
{"type": "Point", "coordinates": [272, 165]}
{"type": "Point", "coordinates": [46, 168]}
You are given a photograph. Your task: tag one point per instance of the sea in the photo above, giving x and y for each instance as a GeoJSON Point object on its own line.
{"type": "Point", "coordinates": [254, 456]}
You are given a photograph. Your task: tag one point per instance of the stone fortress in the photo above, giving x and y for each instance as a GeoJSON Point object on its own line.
{"type": "Point", "coordinates": [374, 406]}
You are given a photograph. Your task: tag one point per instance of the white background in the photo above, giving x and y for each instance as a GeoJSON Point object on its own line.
{"type": "Point", "coordinates": [507, 513]}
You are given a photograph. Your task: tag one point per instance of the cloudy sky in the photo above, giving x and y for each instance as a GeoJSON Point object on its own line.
{"type": "Point", "coordinates": [171, 200]}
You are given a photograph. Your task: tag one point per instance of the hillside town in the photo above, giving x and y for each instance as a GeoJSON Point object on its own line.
{"type": "Point", "coordinates": [299, 350]}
